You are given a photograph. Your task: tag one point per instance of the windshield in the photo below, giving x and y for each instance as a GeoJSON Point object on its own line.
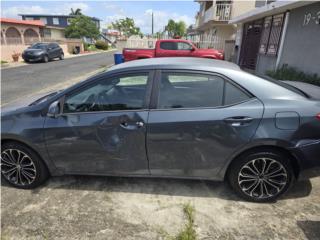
{"type": "Point", "coordinates": [39, 46]}
{"type": "Point", "coordinates": [44, 98]}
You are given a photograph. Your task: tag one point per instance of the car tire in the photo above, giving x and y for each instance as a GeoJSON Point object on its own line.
{"type": "Point", "coordinates": [21, 167]}
{"type": "Point", "coordinates": [45, 58]}
{"type": "Point", "coordinates": [261, 176]}
{"type": "Point", "coordinates": [61, 56]}
{"type": "Point", "coordinates": [26, 60]}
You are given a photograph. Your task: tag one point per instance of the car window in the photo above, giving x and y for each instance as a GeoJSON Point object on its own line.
{"type": "Point", "coordinates": [168, 45]}
{"type": "Point", "coordinates": [54, 45]}
{"type": "Point", "coordinates": [234, 95]}
{"type": "Point", "coordinates": [118, 93]}
{"type": "Point", "coordinates": [39, 46]}
{"type": "Point", "coordinates": [184, 46]}
{"type": "Point", "coordinates": [190, 91]}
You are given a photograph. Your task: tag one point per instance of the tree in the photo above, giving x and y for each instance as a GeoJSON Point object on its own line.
{"type": "Point", "coordinates": [82, 26]}
{"type": "Point", "coordinates": [176, 29]}
{"type": "Point", "coordinates": [126, 26]}
{"type": "Point", "coordinates": [76, 12]}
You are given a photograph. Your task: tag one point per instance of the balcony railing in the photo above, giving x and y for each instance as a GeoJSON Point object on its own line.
{"type": "Point", "coordinates": [218, 12]}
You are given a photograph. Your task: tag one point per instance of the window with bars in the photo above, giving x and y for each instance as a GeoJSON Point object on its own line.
{"type": "Point", "coordinates": [271, 34]}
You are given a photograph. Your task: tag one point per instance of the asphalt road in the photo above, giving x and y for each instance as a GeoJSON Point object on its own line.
{"type": "Point", "coordinates": [25, 80]}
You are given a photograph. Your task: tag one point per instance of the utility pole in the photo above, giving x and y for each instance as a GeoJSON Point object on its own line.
{"type": "Point", "coordinates": [152, 23]}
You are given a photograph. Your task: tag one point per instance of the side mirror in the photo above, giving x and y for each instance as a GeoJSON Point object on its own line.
{"type": "Point", "coordinates": [192, 49]}
{"type": "Point", "coordinates": [54, 109]}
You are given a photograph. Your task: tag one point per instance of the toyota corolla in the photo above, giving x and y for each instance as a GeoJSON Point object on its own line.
{"type": "Point", "coordinates": [168, 117]}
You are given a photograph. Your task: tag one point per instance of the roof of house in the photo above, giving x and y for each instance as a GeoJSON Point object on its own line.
{"type": "Point", "coordinates": [54, 15]}
{"type": "Point", "coordinates": [269, 9]}
{"type": "Point", "coordinates": [22, 22]}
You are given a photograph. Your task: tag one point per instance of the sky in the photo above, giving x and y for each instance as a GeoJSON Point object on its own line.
{"type": "Point", "coordinates": [109, 11]}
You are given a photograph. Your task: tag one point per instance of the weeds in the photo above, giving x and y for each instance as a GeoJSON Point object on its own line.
{"type": "Point", "coordinates": [290, 73]}
{"type": "Point", "coordinates": [188, 232]}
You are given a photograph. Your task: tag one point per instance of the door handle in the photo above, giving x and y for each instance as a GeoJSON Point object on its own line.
{"type": "Point", "coordinates": [132, 126]}
{"type": "Point", "coordinates": [238, 121]}
{"type": "Point", "coordinates": [139, 124]}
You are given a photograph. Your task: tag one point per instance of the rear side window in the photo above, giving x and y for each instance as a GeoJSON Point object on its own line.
{"type": "Point", "coordinates": [188, 90]}
{"type": "Point", "coordinates": [168, 45]}
{"type": "Point", "coordinates": [234, 95]}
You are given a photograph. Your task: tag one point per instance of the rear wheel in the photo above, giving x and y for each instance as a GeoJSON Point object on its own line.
{"type": "Point", "coordinates": [21, 166]}
{"type": "Point", "coordinates": [261, 176]}
{"type": "Point", "coordinates": [61, 56]}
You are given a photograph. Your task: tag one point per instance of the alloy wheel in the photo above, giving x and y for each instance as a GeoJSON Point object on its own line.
{"type": "Point", "coordinates": [18, 167]}
{"type": "Point", "coordinates": [262, 178]}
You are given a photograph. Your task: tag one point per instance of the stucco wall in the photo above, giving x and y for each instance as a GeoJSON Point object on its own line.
{"type": "Point", "coordinates": [57, 33]}
{"type": "Point", "coordinates": [265, 63]}
{"type": "Point", "coordinates": [301, 46]}
{"type": "Point", "coordinates": [240, 7]}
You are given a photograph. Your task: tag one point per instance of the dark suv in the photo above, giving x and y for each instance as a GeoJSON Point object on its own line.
{"type": "Point", "coordinates": [42, 52]}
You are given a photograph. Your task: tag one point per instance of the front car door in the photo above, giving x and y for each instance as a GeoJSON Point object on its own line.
{"type": "Point", "coordinates": [199, 120]}
{"type": "Point", "coordinates": [102, 128]}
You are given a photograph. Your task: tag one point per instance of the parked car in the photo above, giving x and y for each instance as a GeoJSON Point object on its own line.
{"type": "Point", "coordinates": [43, 52]}
{"type": "Point", "coordinates": [168, 117]}
{"type": "Point", "coordinates": [171, 48]}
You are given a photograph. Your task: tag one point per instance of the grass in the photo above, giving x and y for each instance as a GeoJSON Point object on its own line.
{"type": "Point", "coordinates": [3, 62]}
{"type": "Point", "coordinates": [290, 73]}
{"type": "Point", "coordinates": [188, 232]}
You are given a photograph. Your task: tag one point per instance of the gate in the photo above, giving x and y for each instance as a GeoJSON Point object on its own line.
{"type": "Point", "coordinates": [250, 44]}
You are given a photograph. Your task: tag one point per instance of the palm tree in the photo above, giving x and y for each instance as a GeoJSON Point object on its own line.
{"type": "Point", "coordinates": [76, 12]}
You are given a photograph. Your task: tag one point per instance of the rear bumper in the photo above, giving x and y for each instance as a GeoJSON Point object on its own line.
{"type": "Point", "coordinates": [308, 154]}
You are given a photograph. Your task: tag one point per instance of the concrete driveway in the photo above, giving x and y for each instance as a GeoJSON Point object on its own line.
{"type": "Point", "coordinates": [79, 207]}
{"type": "Point", "coordinates": [34, 77]}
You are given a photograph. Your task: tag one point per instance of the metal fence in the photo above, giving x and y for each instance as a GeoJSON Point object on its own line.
{"type": "Point", "coordinates": [32, 40]}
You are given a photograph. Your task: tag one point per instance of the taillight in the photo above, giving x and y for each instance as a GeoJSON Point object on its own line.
{"type": "Point", "coordinates": [318, 116]}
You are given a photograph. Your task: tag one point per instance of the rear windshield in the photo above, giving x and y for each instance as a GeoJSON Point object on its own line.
{"type": "Point", "coordinates": [287, 86]}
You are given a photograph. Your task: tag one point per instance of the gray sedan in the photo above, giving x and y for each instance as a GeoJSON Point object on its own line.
{"type": "Point", "coordinates": [168, 117]}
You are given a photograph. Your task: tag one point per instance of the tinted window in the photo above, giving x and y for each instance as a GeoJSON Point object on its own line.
{"type": "Point", "coordinates": [184, 46]}
{"type": "Point", "coordinates": [39, 46]}
{"type": "Point", "coordinates": [119, 93]}
{"type": "Point", "coordinates": [234, 95]}
{"type": "Point", "coordinates": [190, 90]}
{"type": "Point", "coordinates": [168, 45]}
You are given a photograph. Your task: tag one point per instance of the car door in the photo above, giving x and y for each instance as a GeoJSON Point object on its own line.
{"type": "Point", "coordinates": [57, 50]}
{"type": "Point", "coordinates": [184, 49]}
{"type": "Point", "coordinates": [102, 128]}
{"type": "Point", "coordinates": [198, 120]}
{"type": "Point", "coordinates": [51, 51]}
{"type": "Point", "coordinates": [167, 49]}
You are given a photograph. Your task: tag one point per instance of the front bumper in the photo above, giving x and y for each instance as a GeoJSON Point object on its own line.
{"type": "Point", "coordinates": [32, 57]}
{"type": "Point", "coordinates": [308, 154]}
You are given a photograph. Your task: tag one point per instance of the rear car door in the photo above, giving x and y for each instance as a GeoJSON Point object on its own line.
{"type": "Point", "coordinates": [51, 51]}
{"type": "Point", "coordinates": [102, 128]}
{"type": "Point", "coordinates": [198, 120]}
{"type": "Point", "coordinates": [167, 49]}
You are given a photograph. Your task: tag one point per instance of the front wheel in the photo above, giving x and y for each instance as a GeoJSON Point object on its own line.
{"type": "Point", "coordinates": [21, 167]}
{"type": "Point", "coordinates": [45, 58]}
{"type": "Point", "coordinates": [261, 176]}
{"type": "Point", "coordinates": [61, 56]}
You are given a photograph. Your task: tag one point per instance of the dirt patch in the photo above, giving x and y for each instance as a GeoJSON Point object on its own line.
{"type": "Point", "coordinates": [140, 208]}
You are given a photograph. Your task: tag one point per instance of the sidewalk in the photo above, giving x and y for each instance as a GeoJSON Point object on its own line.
{"type": "Point", "coordinates": [23, 63]}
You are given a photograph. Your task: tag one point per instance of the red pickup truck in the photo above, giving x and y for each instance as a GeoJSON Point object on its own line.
{"type": "Point", "coordinates": [171, 48]}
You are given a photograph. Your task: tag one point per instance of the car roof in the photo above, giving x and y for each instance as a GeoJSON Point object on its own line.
{"type": "Point", "coordinates": [191, 63]}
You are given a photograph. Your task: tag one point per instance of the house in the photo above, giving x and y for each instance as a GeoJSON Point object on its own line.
{"type": "Point", "coordinates": [212, 20]}
{"type": "Point", "coordinates": [55, 24]}
{"type": "Point", "coordinates": [15, 31]}
{"type": "Point", "coordinates": [281, 33]}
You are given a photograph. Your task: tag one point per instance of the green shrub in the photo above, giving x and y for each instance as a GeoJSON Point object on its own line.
{"type": "Point", "coordinates": [92, 48]}
{"type": "Point", "coordinates": [290, 73]}
{"type": "Point", "coordinates": [101, 45]}
{"type": "Point", "coordinates": [86, 46]}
